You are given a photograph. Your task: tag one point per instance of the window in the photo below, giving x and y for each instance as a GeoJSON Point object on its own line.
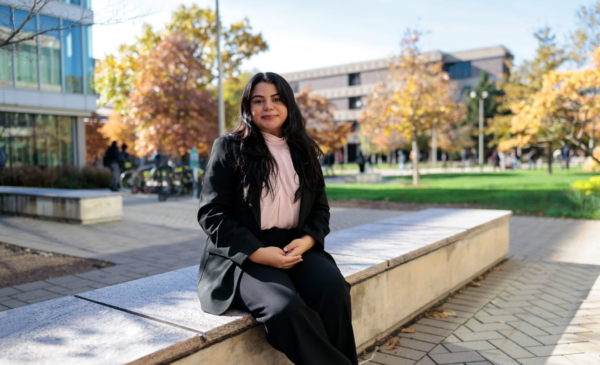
{"type": "Point", "coordinates": [72, 54]}
{"type": "Point", "coordinates": [89, 60]}
{"type": "Point", "coordinates": [37, 139]}
{"type": "Point", "coordinates": [6, 71]}
{"type": "Point", "coordinates": [74, 2]}
{"type": "Point", "coordinates": [353, 79]}
{"type": "Point", "coordinates": [355, 102]}
{"type": "Point", "coordinates": [87, 4]}
{"type": "Point", "coordinates": [459, 70]}
{"type": "Point", "coordinates": [50, 54]}
{"type": "Point", "coordinates": [26, 52]}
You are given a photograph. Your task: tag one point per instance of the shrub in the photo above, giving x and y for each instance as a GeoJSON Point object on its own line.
{"type": "Point", "coordinates": [67, 177]}
{"type": "Point", "coordinates": [586, 196]}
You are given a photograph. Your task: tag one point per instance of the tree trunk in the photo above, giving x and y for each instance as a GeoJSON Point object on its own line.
{"type": "Point", "coordinates": [415, 153]}
{"type": "Point", "coordinates": [549, 158]}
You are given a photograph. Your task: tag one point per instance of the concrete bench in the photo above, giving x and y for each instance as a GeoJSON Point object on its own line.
{"type": "Point", "coordinates": [77, 206]}
{"type": "Point", "coordinates": [397, 267]}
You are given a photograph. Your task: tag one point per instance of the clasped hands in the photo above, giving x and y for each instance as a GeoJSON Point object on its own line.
{"type": "Point", "coordinates": [286, 258]}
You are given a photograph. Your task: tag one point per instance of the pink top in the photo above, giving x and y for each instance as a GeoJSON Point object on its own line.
{"type": "Point", "coordinates": [279, 209]}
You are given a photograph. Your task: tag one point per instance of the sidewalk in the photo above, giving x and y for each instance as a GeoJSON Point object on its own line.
{"type": "Point", "coordinates": [542, 308]}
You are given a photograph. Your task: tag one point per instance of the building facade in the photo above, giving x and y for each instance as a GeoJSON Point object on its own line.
{"type": "Point", "coordinates": [346, 86]}
{"type": "Point", "coordinates": [46, 83]}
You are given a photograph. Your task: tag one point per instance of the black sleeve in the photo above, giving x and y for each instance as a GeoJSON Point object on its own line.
{"type": "Point", "coordinates": [317, 222]}
{"type": "Point", "coordinates": [215, 215]}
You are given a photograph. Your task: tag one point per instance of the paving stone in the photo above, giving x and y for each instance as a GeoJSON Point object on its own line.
{"type": "Point", "coordinates": [552, 360]}
{"type": "Point", "coordinates": [504, 305]}
{"type": "Point", "coordinates": [571, 321]}
{"type": "Point", "coordinates": [540, 312]}
{"type": "Point", "coordinates": [498, 357]}
{"type": "Point", "coordinates": [386, 359]}
{"type": "Point", "coordinates": [32, 286]}
{"type": "Point", "coordinates": [62, 280]}
{"type": "Point", "coordinates": [476, 326]}
{"type": "Point", "coordinates": [426, 337]}
{"type": "Point", "coordinates": [4, 292]}
{"type": "Point", "coordinates": [469, 346]}
{"type": "Point", "coordinates": [511, 349]}
{"type": "Point", "coordinates": [31, 295]}
{"type": "Point", "coordinates": [417, 345]}
{"type": "Point", "coordinates": [528, 328]}
{"type": "Point", "coordinates": [584, 359]}
{"type": "Point", "coordinates": [520, 338]}
{"type": "Point", "coordinates": [451, 339]}
{"type": "Point", "coordinates": [438, 323]}
{"type": "Point", "coordinates": [13, 303]}
{"type": "Point", "coordinates": [517, 298]}
{"type": "Point", "coordinates": [439, 349]}
{"type": "Point", "coordinates": [425, 361]}
{"type": "Point", "coordinates": [462, 329]}
{"type": "Point", "coordinates": [478, 336]}
{"type": "Point", "coordinates": [464, 303]}
{"type": "Point", "coordinates": [480, 363]}
{"type": "Point", "coordinates": [457, 357]}
{"type": "Point", "coordinates": [554, 350]}
{"type": "Point", "coordinates": [405, 352]}
{"type": "Point", "coordinates": [534, 320]}
{"type": "Point", "coordinates": [557, 330]}
{"type": "Point", "coordinates": [462, 308]}
{"type": "Point", "coordinates": [497, 319]}
{"type": "Point", "coordinates": [431, 330]}
{"type": "Point", "coordinates": [556, 339]}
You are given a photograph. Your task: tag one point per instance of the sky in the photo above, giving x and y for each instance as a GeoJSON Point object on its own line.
{"type": "Point", "coordinates": [308, 34]}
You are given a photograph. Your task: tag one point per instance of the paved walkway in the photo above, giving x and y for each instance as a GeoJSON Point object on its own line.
{"type": "Point", "coordinates": [543, 308]}
{"type": "Point", "coordinates": [152, 238]}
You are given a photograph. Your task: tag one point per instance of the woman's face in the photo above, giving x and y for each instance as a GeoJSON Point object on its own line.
{"type": "Point", "coordinates": [268, 111]}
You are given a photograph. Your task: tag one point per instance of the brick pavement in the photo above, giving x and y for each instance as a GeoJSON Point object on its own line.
{"type": "Point", "coordinates": [152, 238]}
{"type": "Point", "coordinates": [543, 308]}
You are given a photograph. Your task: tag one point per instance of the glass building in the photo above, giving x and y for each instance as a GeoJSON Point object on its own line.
{"type": "Point", "coordinates": [46, 83]}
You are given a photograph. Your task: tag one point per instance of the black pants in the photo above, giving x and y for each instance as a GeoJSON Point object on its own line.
{"type": "Point", "coordinates": [305, 309]}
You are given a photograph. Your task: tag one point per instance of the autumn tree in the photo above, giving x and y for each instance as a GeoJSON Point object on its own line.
{"type": "Point", "coordinates": [95, 142]}
{"type": "Point", "coordinates": [119, 129]}
{"type": "Point", "coordinates": [233, 88]}
{"type": "Point", "coordinates": [321, 125]}
{"type": "Point", "coordinates": [120, 77]}
{"type": "Point", "coordinates": [565, 109]}
{"type": "Point", "coordinates": [170, 107]}
{"type": "Point", "coordinates": [417, 97]}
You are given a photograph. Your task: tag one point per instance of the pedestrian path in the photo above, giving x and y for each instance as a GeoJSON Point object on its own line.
{"type": "Point", "coordinates": [543, 308]}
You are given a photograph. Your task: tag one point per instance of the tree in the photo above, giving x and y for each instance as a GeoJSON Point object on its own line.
{"type": "Point", "coordinates": [168, 96]}
{"type": "Point", "coordinates": [116, 75]}
{"type": "Point", "coordinates": [565, 109]}
{"type": "Point", "coordinates": [522, 83]}
{"type": "Point", "coordinates": [119, 129]}
{"type": "Point", "coordinates": [95, 142]}
{"type": "Point", "coordinates": [321, 125]}
{"type": "Point", "coordinates": [586, 37]}
{"type": "Point", "coordinates": [170, 107]}
{"type": "Point", "coordinates": [417, 97]}
{"type": "Point", "coordinates": [233, 88]}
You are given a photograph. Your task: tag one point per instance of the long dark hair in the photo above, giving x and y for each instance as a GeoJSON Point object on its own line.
{"type": "Point", "coordinates": [251, 155]}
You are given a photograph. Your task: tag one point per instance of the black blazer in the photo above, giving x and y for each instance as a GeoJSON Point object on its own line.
{"type": "Point", "coordinates": [233, 231]}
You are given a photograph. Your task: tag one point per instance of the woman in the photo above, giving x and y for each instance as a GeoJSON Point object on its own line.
{"type": "Point", "coordinates": [264, 209]}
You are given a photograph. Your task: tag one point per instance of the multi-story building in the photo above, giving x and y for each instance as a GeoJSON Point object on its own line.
{"type": "Point", "coordinates": [346, 86]}
{"type": "Point", "coordinates": [46, 83]}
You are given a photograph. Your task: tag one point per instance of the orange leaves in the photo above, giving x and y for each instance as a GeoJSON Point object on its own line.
{"type": "Point", "coordinates": [407, 330]}
{"type": "Point", "coordinates": [441, 312]}
{"type": "Point", "coordinates": [393, 342]}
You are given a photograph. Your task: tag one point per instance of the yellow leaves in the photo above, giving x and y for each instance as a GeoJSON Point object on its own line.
{"type": "Point", "coordinates": [393, 342]}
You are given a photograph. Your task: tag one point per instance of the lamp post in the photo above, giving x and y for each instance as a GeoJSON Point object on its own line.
{"type": "Point", "coordinates": [483, 95]}
{"type": "Point", "coordinates": [220, 79]}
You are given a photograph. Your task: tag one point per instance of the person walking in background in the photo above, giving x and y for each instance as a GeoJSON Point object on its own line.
{"type": "Point", "coordinates": [3, 159]}
{"type": "Point", "coordinates": [531, 158]}
{"type": "Point", "coordinates": [328, 162]}
{"type": "Point", "coordinates": [401, 159]}
{"type": "Point", "coordinates": [360, 160]}
{"type": "Point", "coordinates": [444, 159]}
{"type": "Point", "coordinates": [566, 155]}
{"type": "Point", "coordinates": [124, 158]}
{"type": "Point", "coordinates": [111, 160]}
{"type": "Point", "coordinates": [463, 157]}
{"type": "Point", "coordinates": [513, 160]}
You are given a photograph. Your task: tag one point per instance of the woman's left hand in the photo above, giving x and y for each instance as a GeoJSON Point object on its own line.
{"type": "Point", "coordinates": [299, 246]}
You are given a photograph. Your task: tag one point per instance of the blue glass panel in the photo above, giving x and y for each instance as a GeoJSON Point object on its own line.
{"type": "Point", "coordinates": [89, 60]}
{"type": "Point", "coordinates": [26, 52]}
{"type": "Point", "coordinates": [72, 54]}
{"type": "Point", "coordinates": [50, 54]}
{"type": "Point", "coordinates": [6, 72]}
{"type": "Point", "coordinates": [87, 4]}
{"type": "Point", "coordinates": [459, 70]}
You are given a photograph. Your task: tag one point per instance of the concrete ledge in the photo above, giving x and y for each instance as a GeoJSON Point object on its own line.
{"type": "Point", "coordinates": [413, 260]}
{"type": "Point", "coordinates": [76, 206]}
{"type": "Point", "coordinates": [370, 177]}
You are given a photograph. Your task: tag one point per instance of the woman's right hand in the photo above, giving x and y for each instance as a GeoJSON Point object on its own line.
{"type": "Point", "coordinates": [274, 256]}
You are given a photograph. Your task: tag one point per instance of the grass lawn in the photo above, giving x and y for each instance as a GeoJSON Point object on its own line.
{"type": "Point", "coordinates": [523, 192]}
